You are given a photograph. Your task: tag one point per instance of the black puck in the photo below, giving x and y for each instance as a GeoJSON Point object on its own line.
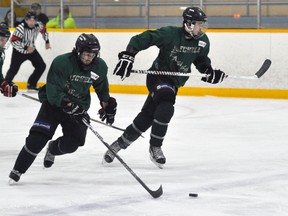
{"type": "Point", "coordinates": [193, 195]}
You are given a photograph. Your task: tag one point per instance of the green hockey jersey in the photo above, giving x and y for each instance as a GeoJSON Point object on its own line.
{"type": "Point", "coordinates": [176, 53]}
{"type": "Point", "coordinates": [66, 78]}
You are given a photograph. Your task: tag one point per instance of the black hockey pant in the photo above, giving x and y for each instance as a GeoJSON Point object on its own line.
{"type": "Point", "coordinates": [43, 129]}
{"type": "Point", "coordinates": [18, 59]}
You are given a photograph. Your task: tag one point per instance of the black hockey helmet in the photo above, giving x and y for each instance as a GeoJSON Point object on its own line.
{"type": "Point", "coordinates": [192, 16]}
{"type": "Point", "coordinates": [31, 15]}
{"type": "Point", "coordinates": [4, 30]}
{"type": "Point", "coordinates": [88, 43]}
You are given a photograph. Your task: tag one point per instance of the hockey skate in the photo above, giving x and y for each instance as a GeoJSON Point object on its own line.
{"type": "Point", "coordinates": [32, 89]}
{"type": "Point", "coordinates": [109, 156]}
{"type": "Point", "coordinates": [48, 158]}
{"type": "Point", "coordinates": [157, 156]}
{"type": "Point", "coordinates": [14, 176]}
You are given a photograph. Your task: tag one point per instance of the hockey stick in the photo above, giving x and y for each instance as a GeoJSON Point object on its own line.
{"type": "Point", "coordinates": [167, 73]}
{"type": "Point", "coordinates": [28, 96]}
{"type": "Point", "coordinates": [100, 122]}
{"type": "Point", "coordinates": [265, 66]}
{"type": "Point", "coordinates": [154, 194]}
{"type": "Point", "coordinates": [112, 126]}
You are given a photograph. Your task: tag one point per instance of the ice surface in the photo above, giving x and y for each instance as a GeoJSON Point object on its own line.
{"type": "Point", "coordinates": [232, 152]}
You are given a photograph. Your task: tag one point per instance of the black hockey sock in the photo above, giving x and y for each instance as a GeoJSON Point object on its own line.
{"type": "Point", "coordinates": [24, 160]}
{"type": "Point", "coordinates": [162, 117]}
{"type": "Point", "coordinates": [158, 133]}
{"type": "Point", "coordinates": [131, 134]}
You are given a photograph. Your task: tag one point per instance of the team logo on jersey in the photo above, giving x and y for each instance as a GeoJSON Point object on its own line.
{"type": "Point", "coordinates": [202, 44]}
{"type": "Point", "coordinates": [79, 78]}
{"type": "Point", "coordinates": [94, 76]}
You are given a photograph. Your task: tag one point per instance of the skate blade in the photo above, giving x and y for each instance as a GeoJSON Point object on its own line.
{"type": "Point", "coordinates": [11, 182]}
{"type": "Point", "coordinates": [32, 91]}
{"type": "Point", "coordinates": [161, 166]}
{"type": "Point", "coordinates": [105, 163]}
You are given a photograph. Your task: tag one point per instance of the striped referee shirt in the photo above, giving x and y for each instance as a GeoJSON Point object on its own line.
{"type": "Point", "coordinates": [23, 36]}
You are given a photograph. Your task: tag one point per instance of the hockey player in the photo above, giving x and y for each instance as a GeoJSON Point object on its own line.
{"type": "Point", "coordinates": [8, 89]}
{"type": "Point", "coordinates": [179, 47]}
{"type": "Point", "coordinates": [23, 42]}
{"type": "Point", "coordinates": [65, 100]}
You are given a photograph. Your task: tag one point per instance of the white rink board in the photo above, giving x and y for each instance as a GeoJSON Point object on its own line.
{"type": "Point", "coordinates": [234, 53]}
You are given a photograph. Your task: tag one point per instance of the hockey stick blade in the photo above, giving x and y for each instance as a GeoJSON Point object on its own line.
{"type": "Point", "coordinates": [266, 65]}
{"type": "Point", "coordinates": [157, 193]}
{"type": "Point", "coordinates": [154, 194]}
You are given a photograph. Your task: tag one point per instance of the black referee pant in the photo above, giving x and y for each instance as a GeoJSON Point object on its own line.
{"type": "Point", "coordinates": [17, 60]}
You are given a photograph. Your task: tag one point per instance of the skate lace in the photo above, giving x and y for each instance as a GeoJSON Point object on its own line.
{"type": "Point", "coordinates": [157, 152]}
{"type": "Point", "coordinates": [49, 157]}
{"type": "Point", "coordinates": [16, 172]}
{"type": "Point", "coordinates": [115, 147]}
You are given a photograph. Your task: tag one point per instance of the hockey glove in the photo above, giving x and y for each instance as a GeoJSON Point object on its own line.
{"type": "Point", "coordinates": [8, 89]}
{"type": "Point", "coordinates": [75, 111]}
{"type": "Point", "coordinates": [108, 110]}
{"type": "Point", "coordinates": [125, 64]}
{"type": "Point", "coordinates": [214, 76]}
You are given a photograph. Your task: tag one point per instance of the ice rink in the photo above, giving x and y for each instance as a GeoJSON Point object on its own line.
{"type": "Point", "coordinates": [233, 152]}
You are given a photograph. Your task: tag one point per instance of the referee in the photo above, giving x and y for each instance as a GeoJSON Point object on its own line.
{"type": "Point", "coordinates": [23, 42]}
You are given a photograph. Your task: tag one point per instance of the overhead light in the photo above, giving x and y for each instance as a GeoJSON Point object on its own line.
{"type": "Point", "coordinates": [182, 8]}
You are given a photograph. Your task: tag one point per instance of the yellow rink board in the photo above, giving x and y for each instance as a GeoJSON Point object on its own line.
{"type": "Point", "coordinates": [193, 91]}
